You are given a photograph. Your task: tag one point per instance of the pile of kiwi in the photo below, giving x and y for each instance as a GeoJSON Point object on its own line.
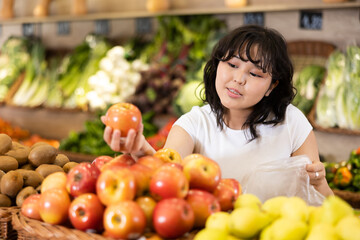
{"type": "Point", "coordinates": [23, 168]}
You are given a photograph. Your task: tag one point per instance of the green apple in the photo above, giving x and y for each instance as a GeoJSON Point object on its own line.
{"type": "Point", "coordinates": [247, 222]}
{"type": "Point", "coordinates": [247, 200]}
{"type": "Point", "coordinates": [211, 234]}
{"type": "Point", "coordinates": [295, 208]}
{"type": "Point", "coordinates": [285, 228]}
{"type": "Point", "coordinates": [315, 215]}
{"type": "Point", "coordinates": [218, 220]}
{"type": "Point", "coordinates": [322, 231]}
{"type": "Point", "coordinates": [266, 233]}
{"type": "Point", "coordinates": [348, 228]}
{"type": "Point", "coordinates": [335, 209]}
{"type": "Point", "coordinates": [273, 206]}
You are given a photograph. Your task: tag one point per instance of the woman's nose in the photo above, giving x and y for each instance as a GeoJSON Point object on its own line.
{"type": "Point", "coordinates": [240, 78]}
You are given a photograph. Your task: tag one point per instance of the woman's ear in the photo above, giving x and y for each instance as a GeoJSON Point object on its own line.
{"type": "Point", "coordinates": [272, 86]}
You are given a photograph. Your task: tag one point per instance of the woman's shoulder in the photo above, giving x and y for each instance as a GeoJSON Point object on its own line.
{"type": "Point", "coordinates": [292, 110]}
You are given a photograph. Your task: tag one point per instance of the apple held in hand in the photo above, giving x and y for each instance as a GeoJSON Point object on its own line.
{"type": "Point", "coordinates": [30, 207]}
{"type": "Point", "coordinates": [204, 204]}
{"type": "Point", "coordinates": [173, 217]}
{"type": "Point", "coordinates": [168, 155]}
{"type": "Point", "coordinates": [202, 172]}
{"type": "Point", "coordinates": [54, 206]}
{"type": "Point", "coordinates": [168, 182]}
{"type": "Point", "coordinates": [125, 220]}
{"type": "Point", "coordinates": [101, 160]}
{"type": "Point", "coordinates": [86, 212]}
{"type": "Point", "coordinates": [226, 192]}
{"type": "Point", "coordinates": [114, 185]}
{"type": "Point", "coordinates": [123, 117]}
{"type": "Point", "coordinates": [82, 179]}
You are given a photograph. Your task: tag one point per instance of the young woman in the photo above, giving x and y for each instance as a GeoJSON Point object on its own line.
{"type": "Point", "coordinates": [248, 119]}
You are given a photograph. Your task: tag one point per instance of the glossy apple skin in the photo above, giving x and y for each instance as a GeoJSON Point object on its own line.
{"type": "Point", "coordinates": [114, 185]}
{"type": "Point", "coordinates": [168, 182]}
{"type": "Point", "coordinates": [86, 212]}
{"type": "Point", "coordinates": [101, 160]}
{"type": "Point", "coordinates": [168, 155]}
{"type": "Point", "coordinates": [173, 217]}
{"type": "Point", "coordinates": [82, 179]}
{"type": "Point", "coordinates": [125, 220]}
{"type": "Point", "coordinates": [202, 172]}
{"type": "Point", "coordinates": [54, 206]}
{"type": "Point", "coordinates": [30, 207]}
{"type": "Point", "coordinates": [142, 176]}
{"type": "Point", "coordinates": [123, 117]}
{"type": "Point", "coordinates": [203, 204]}
{"type": "Point", "coordinates": [147, 204]}
{"type": "Point", "coordinates": [151, 162]}
{"type": "Point", "coordinates": [54, 180]}
{"type": "Point", "coordinates": [227, 191]}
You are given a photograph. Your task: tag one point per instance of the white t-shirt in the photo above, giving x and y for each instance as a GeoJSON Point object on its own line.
{"type": "Point", "coordinates": [231, 149]}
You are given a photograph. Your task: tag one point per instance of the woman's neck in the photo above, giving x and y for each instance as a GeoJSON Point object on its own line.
{"type": "Point", "coordinates": [236, 119]}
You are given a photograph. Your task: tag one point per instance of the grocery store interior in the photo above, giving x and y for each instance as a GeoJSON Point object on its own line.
{"type": "Point", "coordinates": [64, 63]}
{"type": "Point", "coordinates": [121, 21]}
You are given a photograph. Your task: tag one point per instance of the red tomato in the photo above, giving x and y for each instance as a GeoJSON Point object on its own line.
{"type": "Point", "coordinates": [123, 116]}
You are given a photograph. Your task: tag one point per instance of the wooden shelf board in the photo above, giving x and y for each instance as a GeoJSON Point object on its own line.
{"type": "Point", "coordinates": [184, 11]}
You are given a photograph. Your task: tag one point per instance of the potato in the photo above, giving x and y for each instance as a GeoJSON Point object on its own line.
{"type": "Point", "coordinates": [43, 154]}
{"type": "Point", "coordinates": [5, 143]}
{"type": "Point", "coordinates": [46, 169]}
{"type": "Point", "coordinates": [8, 163]}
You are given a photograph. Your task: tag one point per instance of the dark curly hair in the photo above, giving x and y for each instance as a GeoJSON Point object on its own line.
{"type": "Point", "coordinates": [272, 57]}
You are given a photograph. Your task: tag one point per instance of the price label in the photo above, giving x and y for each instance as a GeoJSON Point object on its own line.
{"type": "Point", "coordinates": [311, 20]}
{"type": "Point", "coordinates": [256, 18]}
{"type": "Point", "coordinates": [102, 27]}
{"type": "Point", "coordinates": [63, 28]}
{"type": "Point", "coordinates": [28, 29]}
{"type": "Point", "coordinates": [143, 25]}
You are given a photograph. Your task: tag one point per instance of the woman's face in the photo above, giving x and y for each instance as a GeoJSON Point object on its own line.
{"type": "Point", "coordinates": [240, 85]}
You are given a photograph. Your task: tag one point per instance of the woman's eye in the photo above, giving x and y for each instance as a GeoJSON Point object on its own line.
{"type": "Point", "coordinates": [232, 65]}
{"type": "Point", "coordinates": [254, 75]}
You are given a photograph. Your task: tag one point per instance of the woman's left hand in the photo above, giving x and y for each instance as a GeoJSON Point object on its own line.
{"type": "Point", "coordinates": [316, 173]}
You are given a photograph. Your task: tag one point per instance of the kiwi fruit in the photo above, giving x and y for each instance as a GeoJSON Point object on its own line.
{"type": "Point", "coordinates": [68, 166]}
{"type": "Point", "coordinates": [2, 173]}
{"type": "Point", "coordinates": [38, 189]}
{"type": "Point", "coordinates": [38, 144]}
{"type": "Point", "coordinates": [23, 194]}
{"type": "Point", "coordinates": [43, 154]}
{"type": "Point", "coordinates": [20, 154]}
{"type": "Point", "coordinates": [61, 160]}
{"type": "Point", "coordinates": [31, 177]}
{"type": "Point", "coordinates": [5, 143]}
{"type": "Point", "coordinates": [46, 169]}
{"type": "Point", "coordinates": [5, 201]}
{"type": "Point", "coordinates": [11, 183]}
{"type": "Point", "coordinates": [27, 166]}
{"type": "Point", "coordinates": [8, 163]}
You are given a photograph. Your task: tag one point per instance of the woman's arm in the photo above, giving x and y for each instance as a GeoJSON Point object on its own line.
{"type": "Point", "coordinates": [179, 140]}
{"type": "Point", "coordinates": [316, 170]}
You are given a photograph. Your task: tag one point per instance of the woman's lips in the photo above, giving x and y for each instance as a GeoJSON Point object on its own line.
{"type": "Point", "coordinates": [233, 93]}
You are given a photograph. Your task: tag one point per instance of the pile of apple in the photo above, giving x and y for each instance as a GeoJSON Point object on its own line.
{"type": "Point", "coordinates": [123, 198]}
{"type": "Point", "coordinates": [283, 218]}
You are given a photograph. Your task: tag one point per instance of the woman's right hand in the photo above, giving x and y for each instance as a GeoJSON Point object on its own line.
{"type": "Point", "coordinates": [134, 143]}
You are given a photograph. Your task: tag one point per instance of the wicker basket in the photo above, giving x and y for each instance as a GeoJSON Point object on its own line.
{"type": "Point", "coordinates": [6, 229]}
{"type": "Point", "coordinates": [352, 198]}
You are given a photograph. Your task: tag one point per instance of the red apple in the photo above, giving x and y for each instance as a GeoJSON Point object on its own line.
{"type": "Point", "coordinates": [168, 155]}
{"type": "Point", "coordinates": [86, 212]}
{"type": "Point", "coordinates": [204, 204]}
{"type": "Point", "coordinates": [147, 204]}
{"type": "Point", "coordinates": [54, 206]}
{"type": "Point", "coordinates": [123, 160]}
{"type": "Point", "coordinates": [151, 162]}
{"type": "Point", "coordinates": [142, 176]}
{"type": "Point", "coordinates": [114, 185]}
{"type": "Point", "coordinates": [173, 217]}
{"type": "Point", "coordinates": [123, 116]}
{"type": "Point", "coordinates": [101, 160]}
{"type": "Point", "coordinates": [168, 182]}
{"type": "Point", "coordinates": [125, 220]}
{"type": "Point", "coordinates": [82, 179]}
{"type": "Point", "coordinates": [30, 207]}
{"type": "Point", "coordinates": [227, 191]}
{"type": "Point", "coordinates": [202, 172]}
